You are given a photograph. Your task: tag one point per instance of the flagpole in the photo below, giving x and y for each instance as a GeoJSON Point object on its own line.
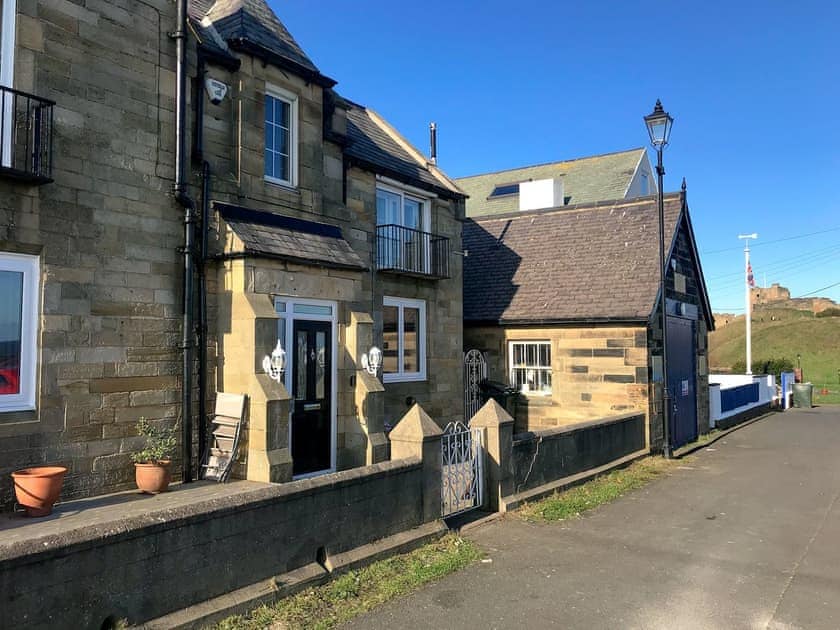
{"type": "Point", "coordinates": [748, 281]}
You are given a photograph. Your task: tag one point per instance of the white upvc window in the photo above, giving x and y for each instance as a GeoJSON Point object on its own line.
{"type": "Point", "coordinates": [19, 282]}
{"type": "Point", "coordinates": [8, 10]}
{"type": "Point", "coordinates": [530, 366]}
{"type": "Point", "coordinates": [403, 219]}
{"type": "Point", "coordinates": [403, 340]}
{"type": "Point", "coordinates": [281, 136]}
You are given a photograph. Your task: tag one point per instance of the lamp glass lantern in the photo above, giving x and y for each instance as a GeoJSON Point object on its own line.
{"type": "Point", "coordinates": [659, 124]}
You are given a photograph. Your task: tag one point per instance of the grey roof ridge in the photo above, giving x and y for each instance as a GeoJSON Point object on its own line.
{"type": "Point", "coordinates": [635, 170]}
{"type": "Point", "coordinates": [571, 208]}
{"type": "Point", "coordinates": [413, 151]}
{"type": "Point", "coordinates": [577, 159]}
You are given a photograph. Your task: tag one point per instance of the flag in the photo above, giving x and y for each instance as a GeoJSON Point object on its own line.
{"type": "Point", "coordinates": [750, 280]}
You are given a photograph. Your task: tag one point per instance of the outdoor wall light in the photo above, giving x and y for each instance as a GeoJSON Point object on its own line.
{"type": "Point", "coordinates": [372, 360]}
{"type": "Point", "coordinates": [275, 364]}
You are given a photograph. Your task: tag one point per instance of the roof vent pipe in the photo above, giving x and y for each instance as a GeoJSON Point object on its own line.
{"type": "Point", "coordinates": [433, 143]}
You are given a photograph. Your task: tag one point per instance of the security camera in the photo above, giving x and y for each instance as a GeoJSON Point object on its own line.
{"type": "Point", "coordinates": [216, 90]}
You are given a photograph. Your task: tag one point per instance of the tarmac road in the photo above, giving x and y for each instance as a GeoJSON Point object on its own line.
{"type": "Point", "coordinates": [744, 535]}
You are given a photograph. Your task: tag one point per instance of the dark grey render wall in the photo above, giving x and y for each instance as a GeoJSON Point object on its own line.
{"type": "Point", "coordinates": [166, 561]}
{"type": "Point", "coordinates": [545, 456]}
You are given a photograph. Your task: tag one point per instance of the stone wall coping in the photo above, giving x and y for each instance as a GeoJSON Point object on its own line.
{"type": "Point", "coordinates": [491, 414]}
{"type": "Point", "coordinates": [555, 432]}
{"type": "Point", "coordinates": [415, 426]}
{"type": "Point", "coordinates": [107, 531]}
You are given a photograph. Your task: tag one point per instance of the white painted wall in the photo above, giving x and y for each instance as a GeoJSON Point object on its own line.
{"type": "Point", "coordinates": [635, 187]}
{"type": "Point", "coordinates": [718, 382]}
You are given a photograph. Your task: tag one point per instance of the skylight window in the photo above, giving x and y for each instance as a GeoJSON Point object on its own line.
{"type": "Point", "coordinates": [505, 189]}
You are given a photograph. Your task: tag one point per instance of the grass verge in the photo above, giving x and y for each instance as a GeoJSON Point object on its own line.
{"type": "Point", "coordinates": [603, 489]}
{"type": "Point", "coordinates": [355, 592]}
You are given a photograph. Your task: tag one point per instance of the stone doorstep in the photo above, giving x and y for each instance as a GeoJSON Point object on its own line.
{"type": "Point", "coordinates": [245, 599]}
{"type": "Point", "coordinates": [513, 501]}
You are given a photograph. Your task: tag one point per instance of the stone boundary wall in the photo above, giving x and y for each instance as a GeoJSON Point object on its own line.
{"type": "Point", "coordinates": [145, 567]}
{"type": "Point", "coordinates": [542, 457]}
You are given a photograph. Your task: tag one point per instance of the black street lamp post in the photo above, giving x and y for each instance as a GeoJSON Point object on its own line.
{"type": "Point", "coordinates": [659, 127]}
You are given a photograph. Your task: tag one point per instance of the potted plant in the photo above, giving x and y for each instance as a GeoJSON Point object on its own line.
{"type": "Point", "coordinates": [151, 465]}
{"type": "Point", "coordinates": [37, 488]}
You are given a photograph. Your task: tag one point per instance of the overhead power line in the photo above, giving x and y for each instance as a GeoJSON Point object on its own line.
{"type": "Point", "coordinates": [762, 243]}
{"type": "Point", "coordinates": [818, 290]}
{"type": "Point", "coordinates": [783, 264]}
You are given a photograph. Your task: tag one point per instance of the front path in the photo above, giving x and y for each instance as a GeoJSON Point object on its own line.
{"type": "Point", "coordinates": [744, 535]}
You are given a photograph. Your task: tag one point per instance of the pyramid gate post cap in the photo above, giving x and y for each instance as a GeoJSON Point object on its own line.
{"type": "Point", "coordinates": [415, 426]}
{"type": "Point", "coordinates": [492, 414]}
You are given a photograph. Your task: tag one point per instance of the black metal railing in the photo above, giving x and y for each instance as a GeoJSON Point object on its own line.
{"type": "Point", "coordinates": [26, 132]}
{"type": "Point", "coordinates": [405, 250]}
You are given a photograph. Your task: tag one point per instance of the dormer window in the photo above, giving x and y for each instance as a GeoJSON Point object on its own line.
{"type": "Point", "coordinates": [281, 136]}
{"type": "Point", "coordinates": [503, 190]}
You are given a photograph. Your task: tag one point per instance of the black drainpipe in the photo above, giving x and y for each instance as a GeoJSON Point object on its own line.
{"type": "Point", "coordinates": [198, 154]}
{"type": "Point", "coordinates": [181, 196]}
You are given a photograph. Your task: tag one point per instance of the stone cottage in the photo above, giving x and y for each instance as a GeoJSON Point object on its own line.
{"type": "Point", "coordinates": [180, 189]}
{"type": "Point", "coordinates": [563, 302]}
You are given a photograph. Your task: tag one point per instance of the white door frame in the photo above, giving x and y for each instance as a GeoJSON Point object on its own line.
{"type": "Point", "coordinates": [290, 316]}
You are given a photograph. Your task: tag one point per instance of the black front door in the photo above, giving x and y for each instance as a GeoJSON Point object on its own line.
{"type": "Point", "coordinates": [682, 383]}
{"type": "Point", "coordinates": [311, 390]}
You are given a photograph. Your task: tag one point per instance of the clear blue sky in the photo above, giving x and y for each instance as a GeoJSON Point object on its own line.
{"type": "Point", "coordinates": [754, 88]}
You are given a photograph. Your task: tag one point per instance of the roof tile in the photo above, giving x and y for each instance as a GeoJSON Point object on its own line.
{"type": "Point", "coordinates": [593, 262]}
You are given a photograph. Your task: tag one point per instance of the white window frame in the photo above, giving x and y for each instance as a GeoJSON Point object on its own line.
{"type": "Point", "coordinates": [511, 367]}
{"type": "Point", "coordinates": [8, 19]}
{"type": "Point", "coordinates": [292, 100]}
{"type": "Point", "coordinates": [414, 194]}
{"type": "Point", "coordinates": [30, 267]}
{"type": "Point", "coordinates": [400, 376]}
{"type": "Point", "coordinates": [287, 314]}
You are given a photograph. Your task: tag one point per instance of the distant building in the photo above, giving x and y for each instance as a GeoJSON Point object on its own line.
{"type": "Point", "coordinates": [778, 296]}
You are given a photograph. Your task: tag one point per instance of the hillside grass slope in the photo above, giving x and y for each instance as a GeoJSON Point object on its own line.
{"type": "Point", "coordinates": [778, 333]}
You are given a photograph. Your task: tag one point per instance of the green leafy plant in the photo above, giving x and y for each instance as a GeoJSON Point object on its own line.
{"type": "Point", "coordinates": [160, 443]}
{"type": "Point", "coordinates": [829, 312]}
{"type": "Point", "coordinates": [765, 366]}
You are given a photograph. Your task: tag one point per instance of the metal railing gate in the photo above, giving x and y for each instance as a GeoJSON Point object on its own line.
{"type": "Point", "coordinates": [463, 469]}
{"type": "Point", "coordinates": [475, 371]}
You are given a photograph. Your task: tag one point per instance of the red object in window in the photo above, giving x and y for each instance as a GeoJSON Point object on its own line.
{"type": "Point", "coordinates": [9, 381]}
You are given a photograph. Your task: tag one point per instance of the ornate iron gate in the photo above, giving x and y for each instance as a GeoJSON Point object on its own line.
{"type": "Point", "coordinates": [475, 371]}
{"type": "Point", "coordinates": [463, 468]}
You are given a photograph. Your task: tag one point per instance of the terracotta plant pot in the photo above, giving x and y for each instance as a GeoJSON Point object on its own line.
{"type": "Point", "coordinates": [152, 477]}
{"type": "Point", "coordinates": [37, 489]}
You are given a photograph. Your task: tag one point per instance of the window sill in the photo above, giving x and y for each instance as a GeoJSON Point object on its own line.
{"type": "Point", "coordinates": [18, 416]}
{"type": "Point", "coordinates": [279, 183]}
{"type": "Point", "coordinates": [403, 378]}
{"type": "Point", "coordinates": [537, 399]}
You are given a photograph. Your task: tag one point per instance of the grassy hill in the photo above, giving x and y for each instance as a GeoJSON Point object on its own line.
{"type": "Point", "coordinates": [785, 333]}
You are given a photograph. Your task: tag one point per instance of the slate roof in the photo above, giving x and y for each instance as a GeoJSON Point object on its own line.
{"type": "Point", "coordinates": [593, 262]}
{"type": "Point", "coordinates": [287, 238]}
{"type": "Point", "coordinates": [251, 26]}
{"type": "Point", "coordinates": [585, 180]}
{"type": "Point", "coordinates": [376, 144]}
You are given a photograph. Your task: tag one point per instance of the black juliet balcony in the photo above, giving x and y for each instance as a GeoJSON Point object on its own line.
{"type": "Point", "coordinates": [411, 252]}
{"type": "Point", "coordinates": [26, 136]}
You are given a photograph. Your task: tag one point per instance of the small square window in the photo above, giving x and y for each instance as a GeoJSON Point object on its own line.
{"type": "Point", "coordinates": [18, 326]}
{"type": "Point", "coordinates": [530, 366]}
